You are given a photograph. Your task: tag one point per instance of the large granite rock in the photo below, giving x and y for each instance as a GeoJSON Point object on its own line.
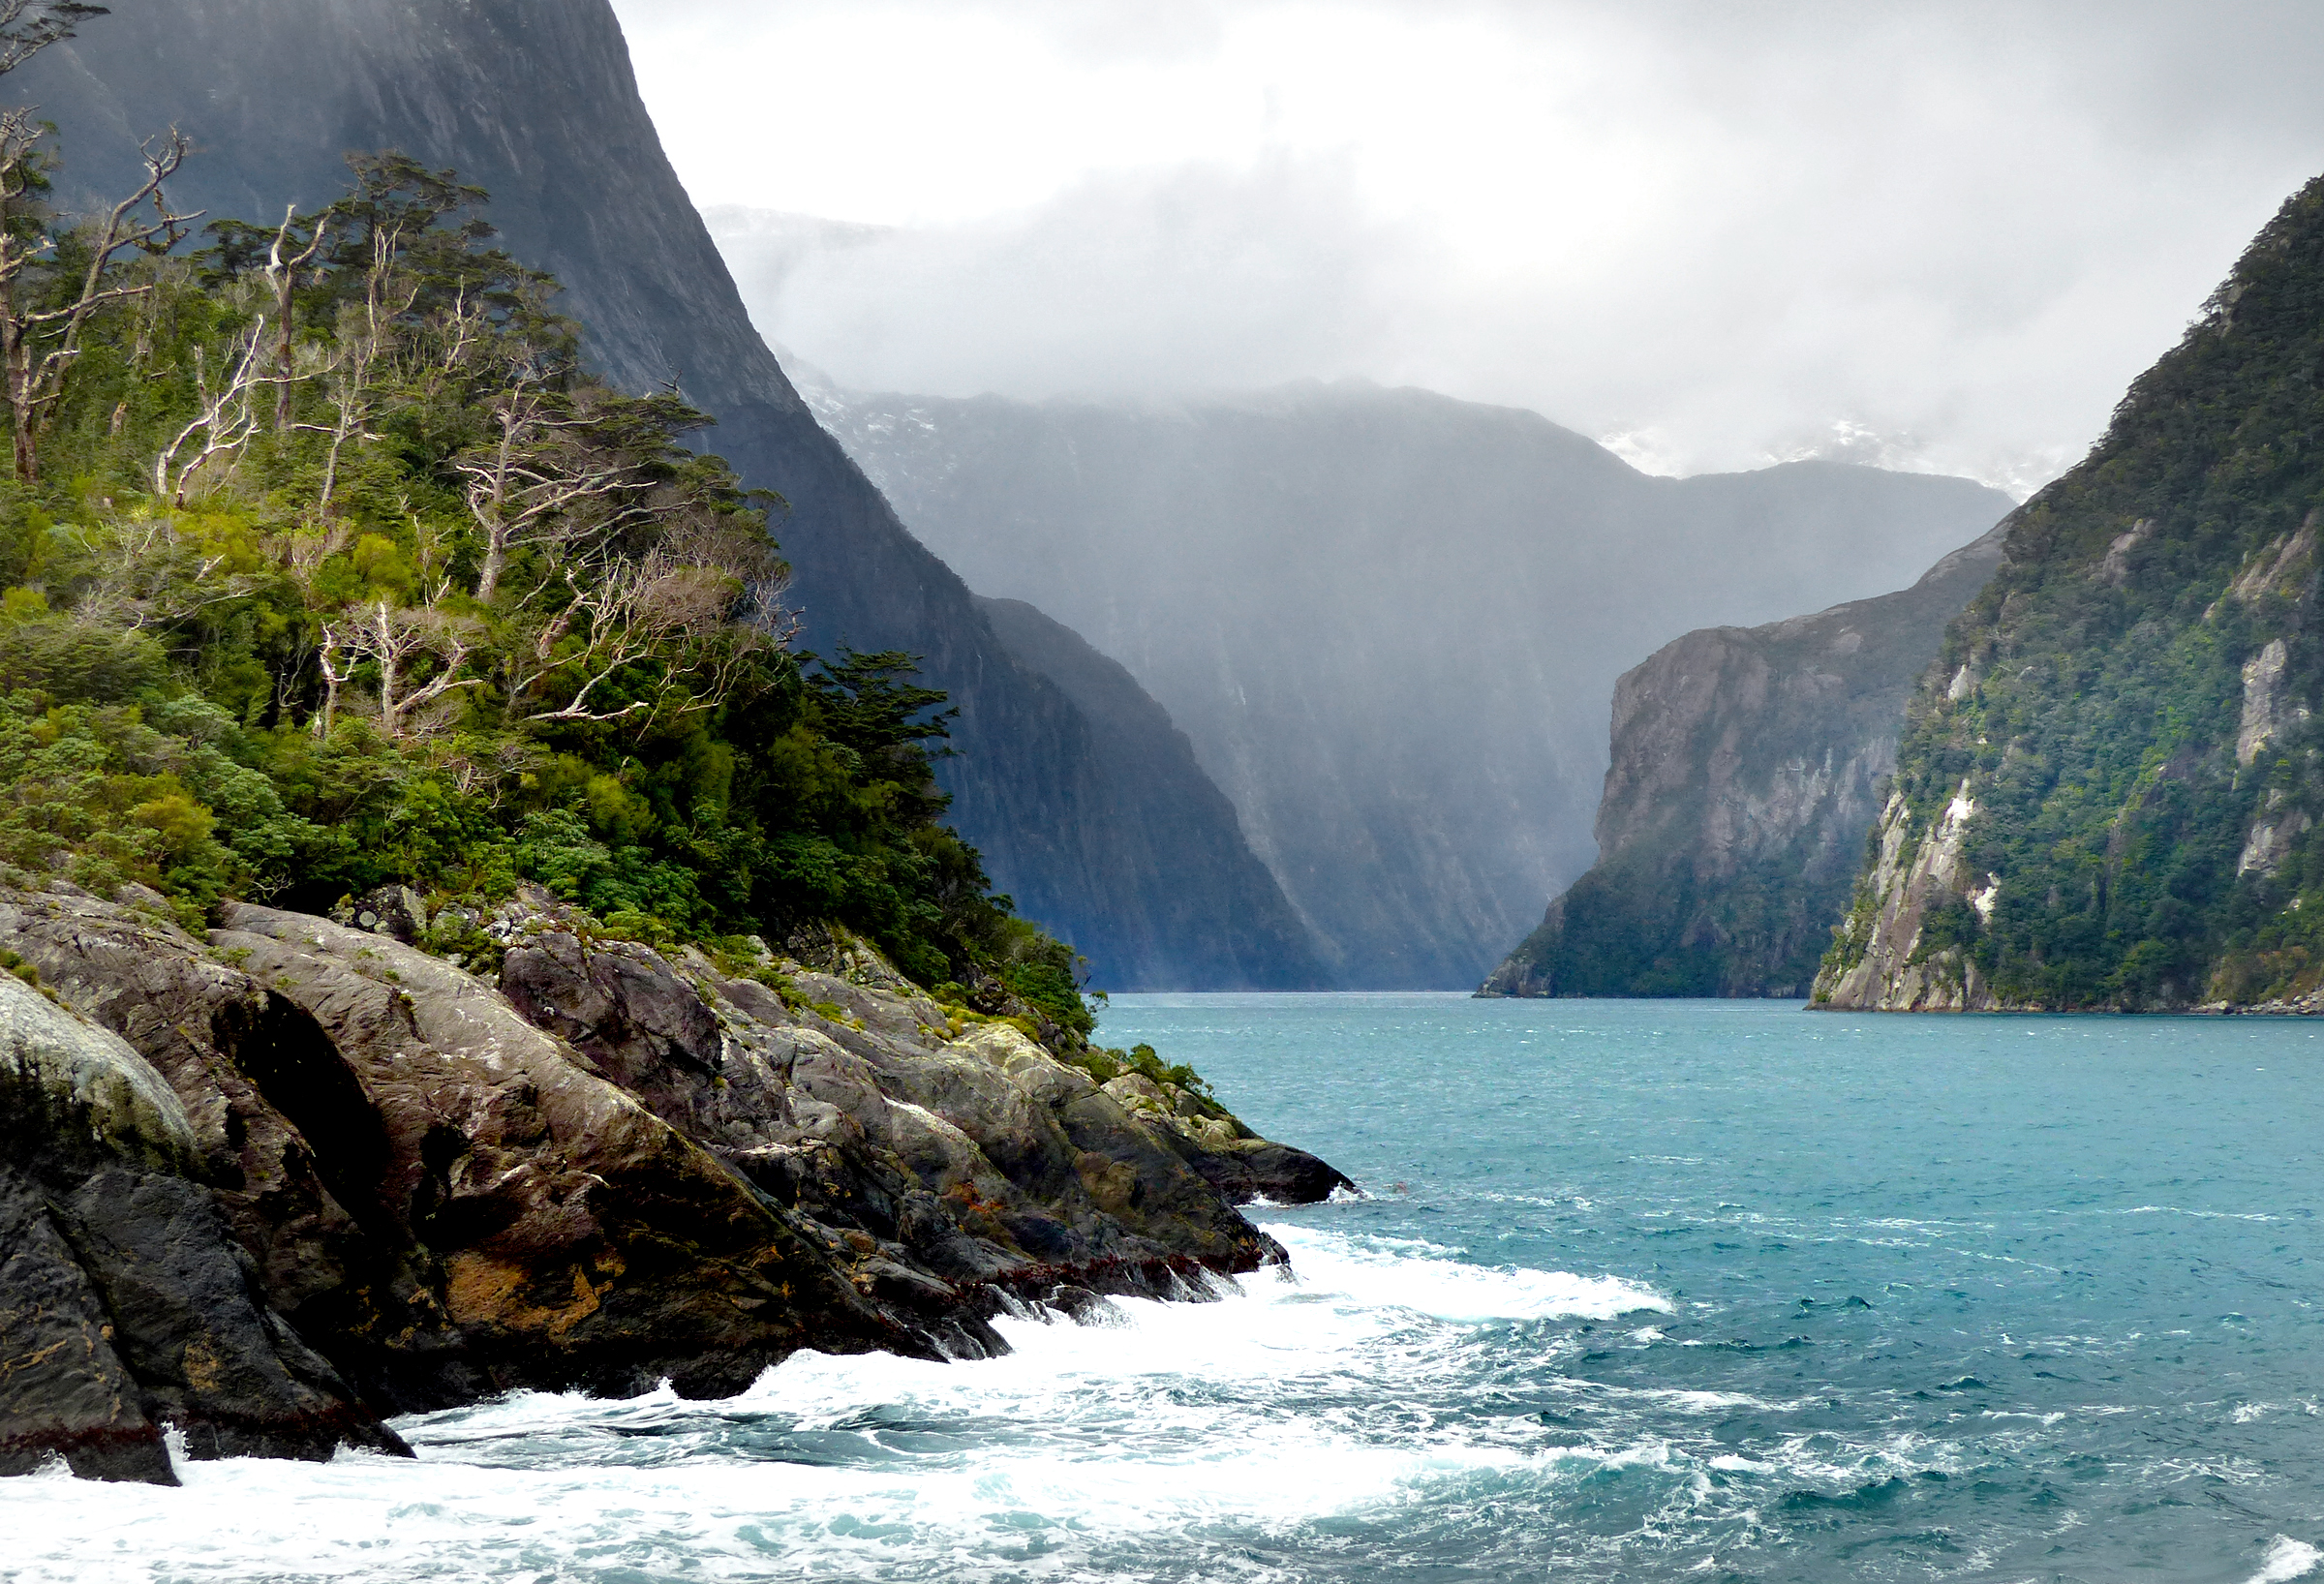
{"type": "Point", "coordinates": [260, 1085]}
{"type": "Point", "coordinates": [969, 1150]}
{"type": "Point", "coordinates": [580, 1241]}
{"type": "Point", "coordinates": [273, 1184]}
{"type": "Point", "coordinates": [127, 1298]}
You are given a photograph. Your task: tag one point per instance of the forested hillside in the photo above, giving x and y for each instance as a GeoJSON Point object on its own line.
{"type": "Point", "coordinates": [535, 100]}
{"type": "Point", "coordinates": [327, 567]}
{"type": "Point", "coordinates": [2108, 794]}
{"type": "Point", "coordinates": [1747, 766]}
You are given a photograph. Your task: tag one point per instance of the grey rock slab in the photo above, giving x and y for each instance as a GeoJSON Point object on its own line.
{"type": "Point", "coordinates": [64, 1391]}
{"type": "Point", "coordinates": [584, 1239]}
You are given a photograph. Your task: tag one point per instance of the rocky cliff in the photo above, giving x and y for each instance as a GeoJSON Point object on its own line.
{"type": "Point", "coordinates": [1746, 764]}
{"type": "Point", "coordinates": [275, 1184]}
{"type": "Point", "coordinates": [1180, 829]}
{"type": "Point", "coordinates": [125, 1299]}
{"type": "Point", "coordinates": [534, 100]}
{"type": "Point", "coordinates": [2109, 787]}
{"type": "Point", "coordinates": [1388, 620]}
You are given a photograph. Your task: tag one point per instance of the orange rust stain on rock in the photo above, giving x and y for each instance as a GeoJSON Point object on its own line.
{"type": "Point", "coordinates": [483, 1289]}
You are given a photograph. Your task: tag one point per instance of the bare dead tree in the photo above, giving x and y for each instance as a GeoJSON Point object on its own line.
{"type": "Point", "coordinates": [282, 274]}
{"type": "Point", "coordinates": [537, 484]}
{"type": "Point", "coordinates": [363, 343]}
{"type": "Point", "coordinates": [338, 661]}
{"type": "Point", "coordinates": [637, 610]}
{"type": "Point", "coordinates": [39, 345]}
{"type": "Point", "coordinates": [393, 637]}
{"type": "Point", "coordinates": [225, 418]}
{"type": "Point", "coordinates": [690, 612]}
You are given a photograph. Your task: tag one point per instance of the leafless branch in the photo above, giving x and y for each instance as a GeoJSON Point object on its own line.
{"type": "Point", "coordinates": [282, 274]}
{"type": "Point", "coordinates": [226, 418]}
{"type": "Point", "coordinates": [39, 347]}
{"type": "Point", "coordinates": [29, 26]}
{"type": "Point", "coordinates": [393, 637]}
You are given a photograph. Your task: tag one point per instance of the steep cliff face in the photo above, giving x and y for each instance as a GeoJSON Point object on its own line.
{"type": "Point", "coordinates": [1220, 920]}
{"type": "Point", "coordinates": [1745, 763]}
{"type": "Point", "coordinates": [1388, 620]}
{"type": "Point", "coordinates": [2109, 786]}
{"type": "Point", "coordinates": [534, 100]}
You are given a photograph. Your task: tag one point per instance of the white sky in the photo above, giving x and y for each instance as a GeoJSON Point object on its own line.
{"type": "Point", "coordinates": [1941, 235]}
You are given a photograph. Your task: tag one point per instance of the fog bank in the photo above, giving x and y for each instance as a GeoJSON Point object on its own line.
{"type": "Point", "coordinates": [1937, 236]}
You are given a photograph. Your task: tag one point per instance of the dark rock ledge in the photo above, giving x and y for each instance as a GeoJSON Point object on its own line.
{"type": "Point", "coordinates": [276, 1186]}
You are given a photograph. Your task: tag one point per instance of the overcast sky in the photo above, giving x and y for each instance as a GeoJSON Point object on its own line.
{"type": "Point", "coordinates": [1714, 235]}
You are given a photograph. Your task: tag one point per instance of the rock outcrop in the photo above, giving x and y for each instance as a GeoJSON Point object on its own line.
{"type": "Point", "coordinates": [534, 100]}
{"type": "Point", "coordinates": [2109, 789]}
{"type": "Point", "coordinates": [128, 1295]}
{"type": "Point", "coordinates": [1388, 620]}
{"type": "Point", "coordinates": [1747, 766]}
{"type": "Point", "coordinates": [273, 1184]}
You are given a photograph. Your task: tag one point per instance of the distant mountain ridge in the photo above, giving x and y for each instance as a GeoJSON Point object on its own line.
{"type": "Point", "coordinates": [1386, 619]}
{"type": "Point", "coordinates": [534, 100]}
{"type": "Point", "coordinates": [1747, 764]}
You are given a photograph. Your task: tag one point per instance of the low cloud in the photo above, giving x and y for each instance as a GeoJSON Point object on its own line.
{"type": "Point", "coordinates": [1934, 237]}
{"type": "Point", "coordinates": [1162, 283]}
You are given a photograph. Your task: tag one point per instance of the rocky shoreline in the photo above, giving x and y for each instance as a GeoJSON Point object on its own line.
{"type": "Point", "coordinates": [279, 1183]}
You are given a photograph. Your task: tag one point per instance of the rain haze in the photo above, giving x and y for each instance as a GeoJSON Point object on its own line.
{"type": "Point", "coordinates": [1937, 237]}
{"type": "Point", "coordinates": [1134, 314]}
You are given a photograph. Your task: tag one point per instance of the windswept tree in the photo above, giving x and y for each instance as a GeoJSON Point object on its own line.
{"type": "Point", "coordinates": [51, 284]}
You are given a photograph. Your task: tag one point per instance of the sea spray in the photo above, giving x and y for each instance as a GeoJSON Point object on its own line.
{"type": "Point", "coordinates": [1671, 1291]}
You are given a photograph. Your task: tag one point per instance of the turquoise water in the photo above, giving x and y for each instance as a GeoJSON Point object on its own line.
{"type": "Point", "coordinates": [1638, 1291]}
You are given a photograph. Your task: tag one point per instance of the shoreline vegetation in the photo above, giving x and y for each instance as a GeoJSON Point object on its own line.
{"type": "Point", "coordinates": [454, 943]}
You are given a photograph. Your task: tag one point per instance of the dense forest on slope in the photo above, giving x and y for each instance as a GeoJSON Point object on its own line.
{"type": "Point", "coordinates": [1746, 768]}
{"type": "Point", "coordinates": [2108, 793]}
{"type": "Point", "coordinates": [327, 566]}
{"type": "Point", "coordinates": [536, 100]}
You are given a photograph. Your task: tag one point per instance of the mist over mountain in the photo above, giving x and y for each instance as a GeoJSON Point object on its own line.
{"type": "Point", "coordinates": [535, 99]}
{"type": "Point", "coordinates": [1388, 620]}
{"type": "Point", "coordinates": [1932, 236]}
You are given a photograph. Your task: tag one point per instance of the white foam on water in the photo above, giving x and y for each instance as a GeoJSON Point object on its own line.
{"type": "Point", "coordinates": [2287, 1559]}
{"type": "Point", "coordinates": [1401, 1273]}
{"type": "Point", "coordinates": [1186, 1427]}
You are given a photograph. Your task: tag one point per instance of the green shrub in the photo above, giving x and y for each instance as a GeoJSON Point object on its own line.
{"type": "Point", "coordinates": [310, 668]}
